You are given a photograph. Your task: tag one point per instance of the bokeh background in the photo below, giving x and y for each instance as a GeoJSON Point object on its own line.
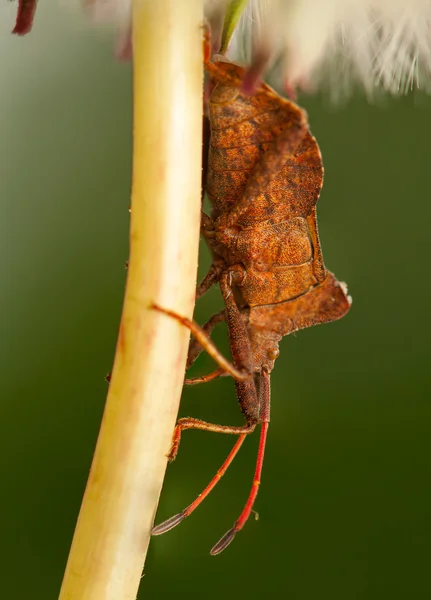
{"type": "Point", "coordinates": [345, 500]}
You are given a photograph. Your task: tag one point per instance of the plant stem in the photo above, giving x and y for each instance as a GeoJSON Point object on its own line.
{"type": "Point", "coordinates": [118, 509]}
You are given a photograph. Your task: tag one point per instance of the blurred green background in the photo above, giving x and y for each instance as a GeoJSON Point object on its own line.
{"type": "Point", "coordinates": [345, 499]}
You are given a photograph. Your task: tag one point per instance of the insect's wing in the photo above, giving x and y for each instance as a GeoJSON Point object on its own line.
{"type": "Point", "coordinates": [243, 129]}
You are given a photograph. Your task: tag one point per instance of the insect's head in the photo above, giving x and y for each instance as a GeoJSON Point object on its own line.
{"type": "Point", "coordinates": [264, 347]}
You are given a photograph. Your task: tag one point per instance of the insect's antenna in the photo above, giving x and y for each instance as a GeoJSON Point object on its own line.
{"type": "Point", "coordinates": [229, 535]}
{"type": "Point", "coordinates": [176, 519]}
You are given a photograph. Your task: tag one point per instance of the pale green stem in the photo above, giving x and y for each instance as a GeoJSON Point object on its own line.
{"type": "Point", "coordinates": [117, 513]}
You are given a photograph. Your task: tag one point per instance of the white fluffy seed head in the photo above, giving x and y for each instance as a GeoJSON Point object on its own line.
{"type": "Point", "coordinates": [377, 43]}
{"type": "Point", "coordinates": [108, 11]}
{"type": "Point", "coordinates": [380, 44]}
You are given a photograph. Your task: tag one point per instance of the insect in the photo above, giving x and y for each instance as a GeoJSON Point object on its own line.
{"type": "Point", "coordinates": [264, 179]}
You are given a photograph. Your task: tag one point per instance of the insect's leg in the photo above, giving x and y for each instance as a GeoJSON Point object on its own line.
{"type": "Point", "coordinates": [240, 346]}
{"type": "Point", "coordinates": [209, 280]}
{"type": "Point", "coordinates": [195, 347]}
{"type": "Point", "coordinates": [176, 519]}
{"type": "Point", "coordinates": [191, 423]}
{"type": "Point", "coordinates": [264, 396]}
{"type": "Point", "coordinates": [238, 336]}
{"type": "Point", "coordinates": [206, 343]}
{"type": "Point", "coordinates": [206, 378]}
{"type": "Point", "coordinates": [207, 224]}
{"type": "Point", "coordinates": [268, 167]}
{"type": "Point", "coordinates": [213, 275]}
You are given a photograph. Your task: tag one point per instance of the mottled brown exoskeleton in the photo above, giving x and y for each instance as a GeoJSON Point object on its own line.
{"type": "Point", "coordinates": [264, 179]}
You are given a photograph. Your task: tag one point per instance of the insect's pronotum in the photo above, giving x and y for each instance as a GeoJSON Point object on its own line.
{"type": "Point", "coordinates": [264, 179]}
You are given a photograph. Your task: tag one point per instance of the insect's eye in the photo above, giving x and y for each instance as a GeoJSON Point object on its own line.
{"type": "Point", "coordinates": [273, 353]}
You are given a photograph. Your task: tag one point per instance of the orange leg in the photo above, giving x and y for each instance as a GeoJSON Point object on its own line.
{"type": "Point", "coordinates": [206, 378]}
{"type": "Point", "coordinates": [209, 280]}
{"type": "Point", "coordinates": [176, 519]}
{"type": "Point", "coordinates": [195, 347]}
{"type": "Point", "coordinates": [214, 273]}
{"type": "Point", "coordinates": [207, 344]}
{"type": "Point", "coordinates": [172, 522]}
{"type": "Point", "coordinates": [191, 423]}
{"type": "Point", "coordinates": [207, 224]}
